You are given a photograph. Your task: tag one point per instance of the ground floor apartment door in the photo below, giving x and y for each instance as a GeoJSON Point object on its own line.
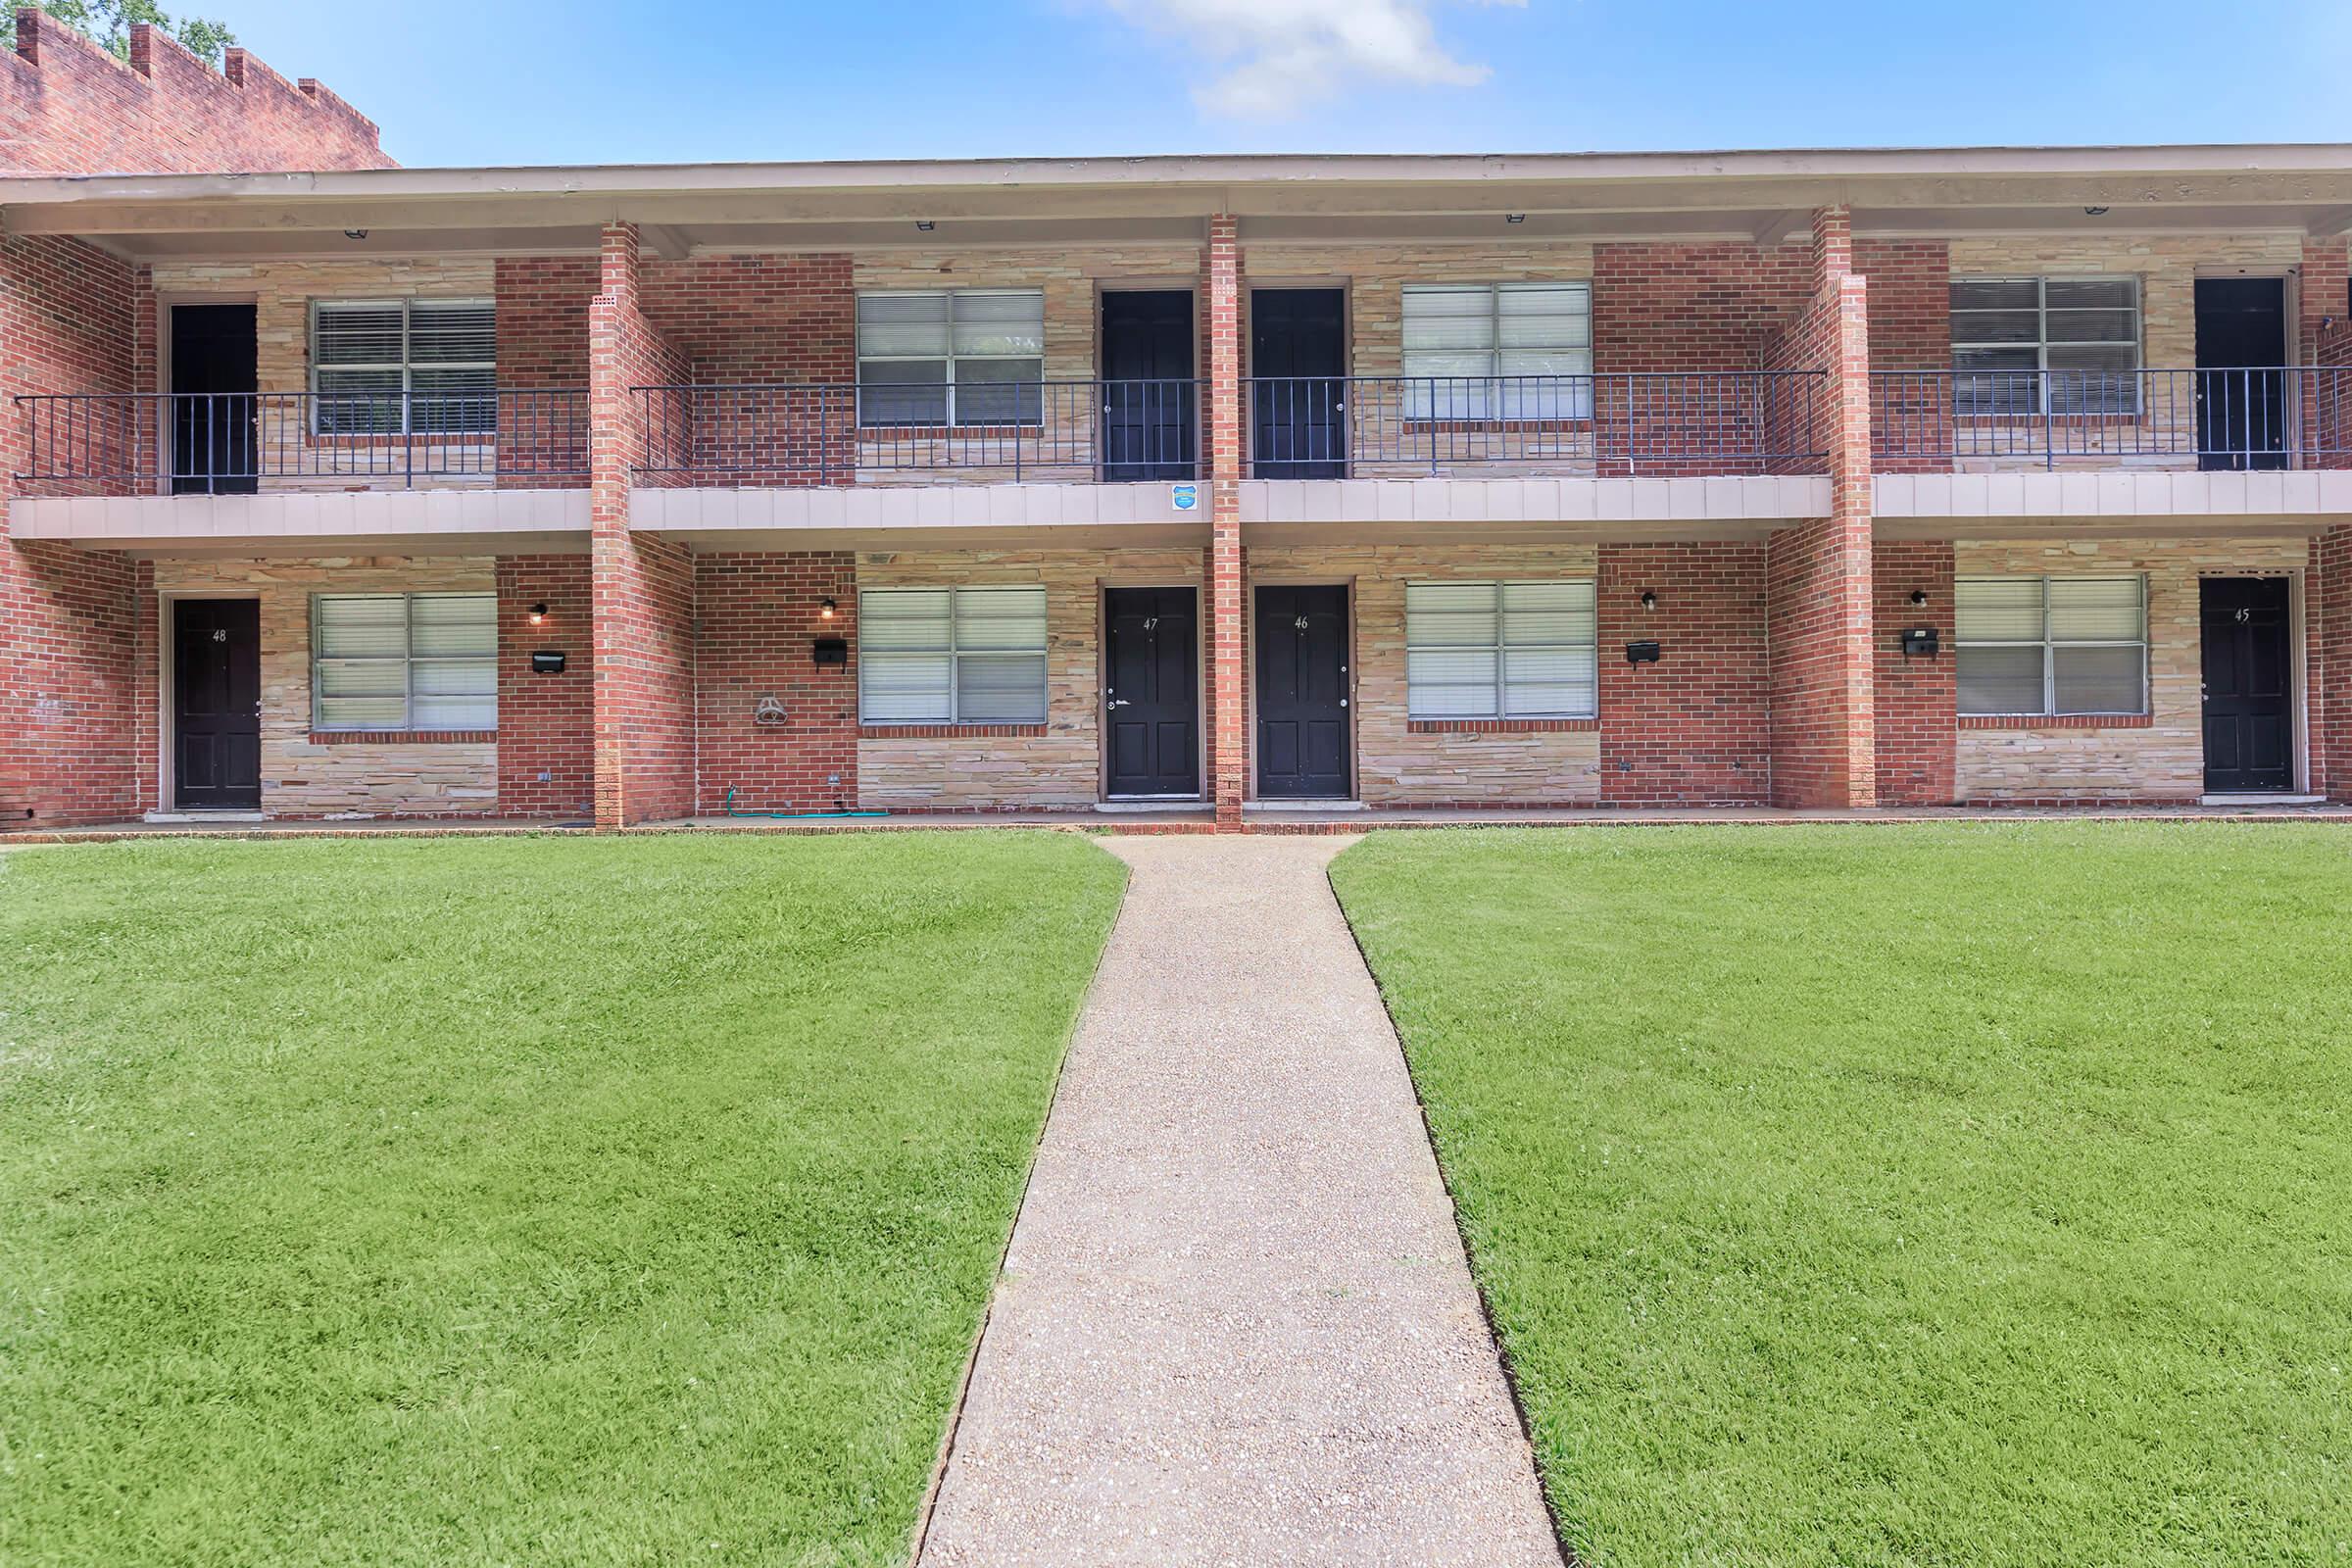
{"type": "Point", "coordinates": [2246, 626]}
{"type": "Point", "coordinates": [1150, 692]}
{"type": "Point", "coordinates": [1301, 696]}
{"type": "Point", "coordinates": [216, 705]}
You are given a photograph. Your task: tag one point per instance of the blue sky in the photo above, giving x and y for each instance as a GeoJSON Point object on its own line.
{"type": "Point", "coordinates": [593, 82]}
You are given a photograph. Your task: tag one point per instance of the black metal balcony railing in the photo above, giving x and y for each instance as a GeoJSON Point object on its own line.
{"type": "Point", "coordinates": [2261, 418]}
{"type": "Point", "coordinates": [232, 442]}
{"type": "Point", "coordinates": [1727, 421]}
{"type": "Point", "coordinates": [788, 434]}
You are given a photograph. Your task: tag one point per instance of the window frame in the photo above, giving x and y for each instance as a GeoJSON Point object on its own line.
{"type": "Point", "coordinates": [1576, 386]}
{"type": "Point", "coordinates": [2050, 646]}
{"type": "Point", "coordinates": [408, 659]}
{"type": "Point", "coordinates": [1502, 646]}
{"type": "Point", "coordinates": [406, 366]}
{"type": "Point", "coordinates": [955, 654]}
{"type": "Point", "coordinates": [2127, 406]}
{"type": "Point", "coordinates": [1023, 418]}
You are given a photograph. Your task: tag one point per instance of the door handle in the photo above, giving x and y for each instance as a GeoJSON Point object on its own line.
{"type": "Point", "coordinates": [1116, 702]}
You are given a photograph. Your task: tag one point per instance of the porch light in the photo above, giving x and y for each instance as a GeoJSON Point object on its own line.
{"type": "Point", "coordinates": [825, 609]}
{"type": "Point", "coordinates": [1919, 596]}
{"type": "Point", "coordinates": [1649, 599]}
{"type": "Point", "coordinates": [539, 614]}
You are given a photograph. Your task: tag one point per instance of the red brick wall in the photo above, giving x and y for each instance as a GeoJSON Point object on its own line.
{"type": "Point", "coordinates": [644, 585]}
{"type": "Point", "coordinates": [545, 724]}
{"type": "Point", "coordinates": [747, 320]}
{"type": "Point", "coordinates": [1693, 728]}
{"type": "Point", "coordinates": [66, 738]}
{"type": "Point", "coordinates": [1916, 699]}
{"type": "Point", "coordinates": [1910, 330]}
{"type": "Point", "coordinates": [1224, 564]}
{"type": "Point", "coordinates": [67, 106]}
{"type": "Point", "coordinates": [1678, 307]}
{"type": "Point", "coordinates": [2330, 615]}
{"type": "Point", "coordinates": [759, 615]}
{"type": "Point", "coordinates": [543, 348]}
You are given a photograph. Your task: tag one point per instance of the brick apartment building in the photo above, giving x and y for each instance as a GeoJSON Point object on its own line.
{"type": "Point", "coordinates": [1233, 484]}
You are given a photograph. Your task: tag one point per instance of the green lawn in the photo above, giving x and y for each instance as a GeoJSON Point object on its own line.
{"type": "Point", "coordinates": [1967, 1193]}
{"type": "Point", "coordinates": [531, 1202]}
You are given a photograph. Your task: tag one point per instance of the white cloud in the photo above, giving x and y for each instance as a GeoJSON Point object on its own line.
{"type": "Point", "coordinates": [1277, 56]}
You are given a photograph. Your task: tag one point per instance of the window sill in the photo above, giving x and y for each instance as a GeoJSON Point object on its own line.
{"type": "Point", "coordinates": [1500, 727]}
{"type": "Point", "coordinates": [933, 732]}
{"type": "Point", "coordinates": [404, 737]}
{"type": "Point", "coordinates": [2057, 720]}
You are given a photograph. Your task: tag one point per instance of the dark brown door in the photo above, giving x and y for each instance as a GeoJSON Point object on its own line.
{"type": "Point", "coordinates": [215, 438]}
{"type": "Point", "coordinates": [216, 705]}
{"type": "Point", "coordinates": [1151, 702]}
{"type": "Point", "coordinates": [1302, 694]}
{"type": "Point", "coordinates": [1149, 403]}
{"type": "Point", "coordinates": [2249, 685]}
{"type": "Point", "coordinates": [1297, 351]}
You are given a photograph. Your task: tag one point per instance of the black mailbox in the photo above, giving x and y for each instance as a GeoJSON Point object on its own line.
{"type": "Point", "coordinates": [1641, 652]}
{"type": "Point", "coordinates": [1919, 642]}
{"type": "Point", "coordinates": [548, 662]}
{"type": "Point", "coordinates": [832, 653]}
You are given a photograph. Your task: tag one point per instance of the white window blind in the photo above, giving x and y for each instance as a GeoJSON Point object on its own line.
{"type": "Point", "coordinates": [951, 656]}
{"type": "Point", "coordinates": [2084, 331]}
{"type": "Point", "coordinates": [404, 662]}
{"type": "Point", "coordinates": [1475, 351]}
{"type": "Point", "coordinates": [960, 357]}
{"type": "Point", "coordinates": [1501, 650]}
{"type": "Point", "coordinates": [2050, 646]}
{"type": "Point", "coordinates": [385, 367]}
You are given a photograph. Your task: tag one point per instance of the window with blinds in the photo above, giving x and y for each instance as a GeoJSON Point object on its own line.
{"type": "Point", "coordinates": [391, 367]}
{"type": "Point", "coordinates": [958, 357]}
{"type": "Point", "coordinates": [1508, 351]}
{"type": "Point", "coordinates": [2051, 645]}
{"type": "Point", "coordinates": [2083, 331]}
{"type": "Point", "coordinates": [404, 662]}
{"type": "Point", "coordinates": [1501, 650]}
{"type": "Point", "coordinates": [951, 656]}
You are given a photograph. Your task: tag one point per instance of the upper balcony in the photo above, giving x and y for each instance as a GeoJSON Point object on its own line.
{"type": "Point", "coordinates": [1293, 428]}
{"type": "Point", "coordinates": [1990, 421]}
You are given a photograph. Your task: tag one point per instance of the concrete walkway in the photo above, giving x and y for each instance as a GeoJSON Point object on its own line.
{"type": "Point", "coordinates": [1236, 1326]}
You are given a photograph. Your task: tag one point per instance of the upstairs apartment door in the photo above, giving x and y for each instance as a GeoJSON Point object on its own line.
{"type": "Point", "coordinates": [2246, 626]}
{"type": "Point", "coordinates": [1298, 391]}
{"type": "Point", "coordinates": [216, 705]}
{"type": "Point", "coordinates": [2243, 410]}
{"type": "Point", "coordinates": [216, 437]}
{"type": "Point", "coordinates": [1149, 403]}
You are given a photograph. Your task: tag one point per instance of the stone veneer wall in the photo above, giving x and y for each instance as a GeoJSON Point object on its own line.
{"type": "Point", "coordinates": [367, 778]}
{"type": "Point", "coordinates": [998, 767]}
{"type": "Point", "coordinates": [2159, 759]}
{"type": "Point", "coordinates": [281, 292]}
{"type": "Point", "coordinates": [1398, 762]}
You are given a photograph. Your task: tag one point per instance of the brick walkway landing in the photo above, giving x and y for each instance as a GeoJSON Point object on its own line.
{"type": "Point", "coordinates": [1236, 1326]}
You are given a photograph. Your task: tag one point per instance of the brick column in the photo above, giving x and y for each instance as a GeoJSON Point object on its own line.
{"type": "Point", "coordinates": [1824, 742]}
{"type": "Point", "coordinates": [2328, 609]}
{"type": "Point", "coordinates": [644, 587]}
{"type": "Point", "coordinates": [1228, 700]}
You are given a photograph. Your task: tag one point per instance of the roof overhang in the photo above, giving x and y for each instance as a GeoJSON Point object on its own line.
{"type": "Point", "coordinates": [2302, 188]}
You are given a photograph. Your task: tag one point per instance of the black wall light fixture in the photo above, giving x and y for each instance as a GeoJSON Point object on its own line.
{"type": "Point", "coordinates": [825, 609]}
{"type": "Point", "coordinates": [538, 614]}
{"type": "Point", "coordinates": [1649, 599]}
{"type": "Point", "coordinates": [1919, 596]}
